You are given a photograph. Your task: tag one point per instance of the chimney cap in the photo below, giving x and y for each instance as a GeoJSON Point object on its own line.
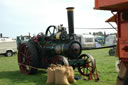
{"type": "Point", "coordinates": [70, 8]}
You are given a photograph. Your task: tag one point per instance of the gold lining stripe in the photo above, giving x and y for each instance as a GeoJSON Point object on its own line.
{"type": "Point", "coordinates": [69, 9]}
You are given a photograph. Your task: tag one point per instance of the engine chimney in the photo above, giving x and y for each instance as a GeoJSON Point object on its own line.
{"type": "Point", "coordinates": [70, 20]}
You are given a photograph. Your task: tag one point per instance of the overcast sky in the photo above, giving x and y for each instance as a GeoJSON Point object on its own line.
{"type": "Point", "coordinates": [18, 17]}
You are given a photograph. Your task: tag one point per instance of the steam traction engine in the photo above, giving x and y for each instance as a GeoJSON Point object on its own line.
{"type": "Point", "coordinates": [55, 47]}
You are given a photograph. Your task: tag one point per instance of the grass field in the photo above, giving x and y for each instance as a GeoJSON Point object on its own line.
{"type": "Point", "coordinates": [10, 74]}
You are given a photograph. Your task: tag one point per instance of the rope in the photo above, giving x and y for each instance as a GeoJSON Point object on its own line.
{"type": "Point", "coordinates": [31, 66]}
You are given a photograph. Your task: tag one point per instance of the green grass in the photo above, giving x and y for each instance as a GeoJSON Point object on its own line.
{"type": "Point", "coordinates": [10, 74]}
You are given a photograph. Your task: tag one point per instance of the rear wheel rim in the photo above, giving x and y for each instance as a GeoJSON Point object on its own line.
{"type": "Point", "coordinates": [24, 59]}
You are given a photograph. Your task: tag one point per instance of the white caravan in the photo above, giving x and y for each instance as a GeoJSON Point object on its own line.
{"type": "Point", "coordinates": [8, 46]}
{"type": "Point", "coordinates": [86, 40]}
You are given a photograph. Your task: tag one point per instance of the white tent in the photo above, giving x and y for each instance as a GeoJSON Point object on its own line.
{"type": "Point", "coordinates": [110, 40]}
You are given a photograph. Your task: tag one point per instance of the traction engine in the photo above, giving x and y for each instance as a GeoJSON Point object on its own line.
{"type": "Point", "coordinates": [56, 46]}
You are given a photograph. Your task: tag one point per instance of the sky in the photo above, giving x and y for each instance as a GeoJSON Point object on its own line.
{"type": "Point", "coordinates": [19, 17]}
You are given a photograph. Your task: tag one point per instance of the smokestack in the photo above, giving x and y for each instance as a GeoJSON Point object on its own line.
{"type": "Point", "coordinates": [70, 20]}
{"type": "Point", "coordinates": [1, 35]}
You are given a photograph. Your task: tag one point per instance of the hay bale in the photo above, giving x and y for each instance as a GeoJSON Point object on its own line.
{"type": "Point", "coordinates": [61, 76]}
{"type": "Point", "coordinates": [51, 76]}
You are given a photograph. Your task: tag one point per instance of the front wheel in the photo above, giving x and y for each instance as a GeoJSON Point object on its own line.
{"type": "Point", "coordinates": [89, 68]}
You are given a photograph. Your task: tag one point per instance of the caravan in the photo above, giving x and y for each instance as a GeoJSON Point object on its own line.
{"type": "Point", "coordinates": [86, 40]}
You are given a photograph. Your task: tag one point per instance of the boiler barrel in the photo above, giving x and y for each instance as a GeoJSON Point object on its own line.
{"type": "Point", "coordinates": [70, 49]}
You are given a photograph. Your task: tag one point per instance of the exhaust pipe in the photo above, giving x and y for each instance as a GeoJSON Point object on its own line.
{"type": "Point", "coordinates": [70, 20]}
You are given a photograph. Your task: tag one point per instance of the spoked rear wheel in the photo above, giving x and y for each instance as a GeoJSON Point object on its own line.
{"type": "Point", "coordinates": [89, 68]}
{"type": "Point", "coordinates": [27, 58]}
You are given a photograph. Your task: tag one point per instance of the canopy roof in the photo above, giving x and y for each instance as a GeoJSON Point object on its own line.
{"type": "Point", "coordinates": [113, 5]}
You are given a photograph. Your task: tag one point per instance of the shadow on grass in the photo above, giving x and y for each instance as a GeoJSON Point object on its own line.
{"type": "Point", "coordinates": [17, 78]}
{"type": "Point", "coordinates": [2, 55]}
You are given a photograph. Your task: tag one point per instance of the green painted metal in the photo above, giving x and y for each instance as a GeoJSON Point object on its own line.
{"type": "Point", "coordinates": [77, 61]}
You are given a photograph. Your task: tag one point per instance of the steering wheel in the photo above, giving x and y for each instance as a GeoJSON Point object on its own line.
{"type": "Point", "coordinates": [51, 30]}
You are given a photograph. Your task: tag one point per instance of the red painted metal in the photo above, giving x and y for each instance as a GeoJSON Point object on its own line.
{"type": "Point", "coordinates": [112, 19]}
{"type": "Point", "coordinates": [111, 4]}
{"type": "Point", "coordinates": [24, 59]}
